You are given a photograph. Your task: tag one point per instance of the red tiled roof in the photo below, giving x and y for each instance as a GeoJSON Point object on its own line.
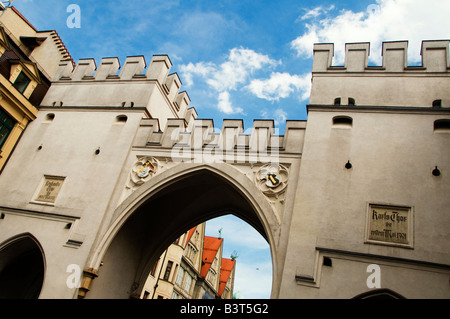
{"type": "Point", "coordinates": [210, 247]}
{"type": "Point", "coordinates": [225, 272]}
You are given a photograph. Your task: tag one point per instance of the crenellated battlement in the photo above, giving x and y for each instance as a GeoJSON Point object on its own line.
{"type": "Point", "coordinates": [111, 84]}
{"type": "Point", "coordinates": [435, 57]}
{"type": "Point", "coordinates": [110, 69]}
{"type": "Point", "coordinates": [393, 84]}
{"type": "Point", "coordinates": [200, 135]}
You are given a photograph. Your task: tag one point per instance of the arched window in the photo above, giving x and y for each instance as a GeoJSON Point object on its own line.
{"type": "Point", "coordinates": [382, 293]}
{"type": "Point", "coordinates": [337, 101]}
{"type": "Point", "coordinates": [342, 121]}
{"type": "Point", "coordinates": [442, 125]}
{"type": "Point", "coordinates": [22, 268]}
{"type": "Point", "coordinates": [121, 118]}
{"type": "Point", "coordinates": [437, 103]}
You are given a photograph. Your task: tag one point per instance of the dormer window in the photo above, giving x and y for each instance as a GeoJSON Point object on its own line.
{"type": "Point", "coordinates": [24, 76]}
{"type": "Point", "coordinates": [21, 82]}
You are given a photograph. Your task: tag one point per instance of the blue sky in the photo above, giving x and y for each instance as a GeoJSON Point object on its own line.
{"type": "Point", "coordinates": [240, 58]}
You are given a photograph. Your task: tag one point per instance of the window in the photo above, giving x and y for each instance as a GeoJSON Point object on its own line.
{"type": "Point", "coordinates": [342, 121]}
{"type": "Point", "coordinates": [337, 101]}
{"type": "Point", "coordinates": [180, 275]}
{"type": "Point", "coordinates": [6, 126]}
{"type": "Point", "coordinates": [121, 118]}
{"type": "Point", "coordinates": [154, 268]}
{"type": "Point", "coordinates": [211, 276]}
{"type": "Point", "coordinates": [196, 236]}
{"type": "Point", "coordinates": [442, 125]}
{"type": "Point", "coordinates": [50, 117]}
{"type": "Point", "coordinates": [437, 103]}
{"type": "Point", "coordinates": [187, 285]}
{"type": "Point", "coordinates": [351, 101]}
{"type": "Point", "coordinates": [191, 252]}
{"type": "Point", "coordinates": [168, 269]}
{"type": "Point", "coordinates": [21, 82]}
{"type": "Point", "coordinates": [175, 295]}
{"type": "Point", "coordinates": [327, 261]}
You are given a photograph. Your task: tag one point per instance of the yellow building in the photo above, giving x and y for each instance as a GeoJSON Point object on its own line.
{"type": "Point", "coordinates": [28, 60]}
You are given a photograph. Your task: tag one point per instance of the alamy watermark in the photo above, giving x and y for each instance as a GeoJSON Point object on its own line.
{"type": "Point", "coordinates": [74, 279]}
{"type": "Point", "coordinates": [74, 18]}
{"type": "Point", "coordinates": [253, 146]}
{"type": "Point", "coordinates": [374, 279]}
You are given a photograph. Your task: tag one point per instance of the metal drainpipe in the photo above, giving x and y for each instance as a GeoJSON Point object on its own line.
{"type": "Point", "coordinates": [159, 275]}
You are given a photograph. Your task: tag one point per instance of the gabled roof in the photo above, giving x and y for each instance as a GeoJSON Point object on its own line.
{"type": "Point", "coordinates": [210, 247]}
{"type": "Point", "coordinates": [23, 18]}
{"type": "Point", "coordinates": [225, 272]}
{"type": "Point", "coordinates": [190, 233]}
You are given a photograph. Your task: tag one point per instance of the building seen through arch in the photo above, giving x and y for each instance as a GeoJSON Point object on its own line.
{"type": "Point", "coordinates": [193, 267]}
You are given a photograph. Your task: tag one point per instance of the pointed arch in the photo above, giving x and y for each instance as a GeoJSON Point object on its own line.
{"type": "Point", "coordinates": [382, 293]}
{"type": "Point", "coordinates": [22, 267]}
{"type": "Point", "coordinates": [176, 200]}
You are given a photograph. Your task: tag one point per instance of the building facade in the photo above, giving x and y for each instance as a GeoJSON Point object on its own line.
{"type": "Point", "coordinates": [28, 60]}
{"type": "Point", "coordinates": [377, 150]}
{"type": "Point", "coordinates": [116, 166]}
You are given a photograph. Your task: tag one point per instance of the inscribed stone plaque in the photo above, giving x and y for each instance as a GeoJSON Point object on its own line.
{"type": "Point", "coordinates": [390, 225]}
{"type": "Point", "coordinates": [50, 189]}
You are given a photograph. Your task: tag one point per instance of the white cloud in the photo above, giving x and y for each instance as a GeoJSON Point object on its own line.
{"type": "Point", "coordinates": [280, 85]}
{"type": "Point", "coordinates": [190, 70]}
{"type": "Point", "coordinates": [240, 65]}
{"type": "Point", "coordinates": [384, 20]}
{"type": "Point", "coordinates": [280, 116]}
{"type": "Point", "coordinates": [314, 13]}
{"type": "Point", "coordinates": [237, 72]}
{"type": "Point", "coordinates": [224, 104]}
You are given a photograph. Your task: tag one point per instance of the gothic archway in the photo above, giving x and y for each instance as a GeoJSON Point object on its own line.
{"type": "Point", "coordinates": [382, 293]}
{"type": "Point", "coordinates": [22, 268]}
{"type": "Point", "coordinates": [166, 206]}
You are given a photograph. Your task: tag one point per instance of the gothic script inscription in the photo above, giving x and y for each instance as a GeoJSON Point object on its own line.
{"type": "Point", "coordinates": [389, 224]}
{"type": "Point", "coordinates": [50, 189]}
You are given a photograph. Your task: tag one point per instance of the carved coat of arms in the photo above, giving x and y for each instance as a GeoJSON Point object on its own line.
{"type": "Point", "coordinates": [143, 169]}
{"type": "Point", "coordinates": [272, 179]}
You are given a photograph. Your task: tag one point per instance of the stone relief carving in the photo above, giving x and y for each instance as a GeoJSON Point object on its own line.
{"type": "Point", "coordinates": [272, 179]}
{"type": "Point", "coordinates": [144, 169]}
